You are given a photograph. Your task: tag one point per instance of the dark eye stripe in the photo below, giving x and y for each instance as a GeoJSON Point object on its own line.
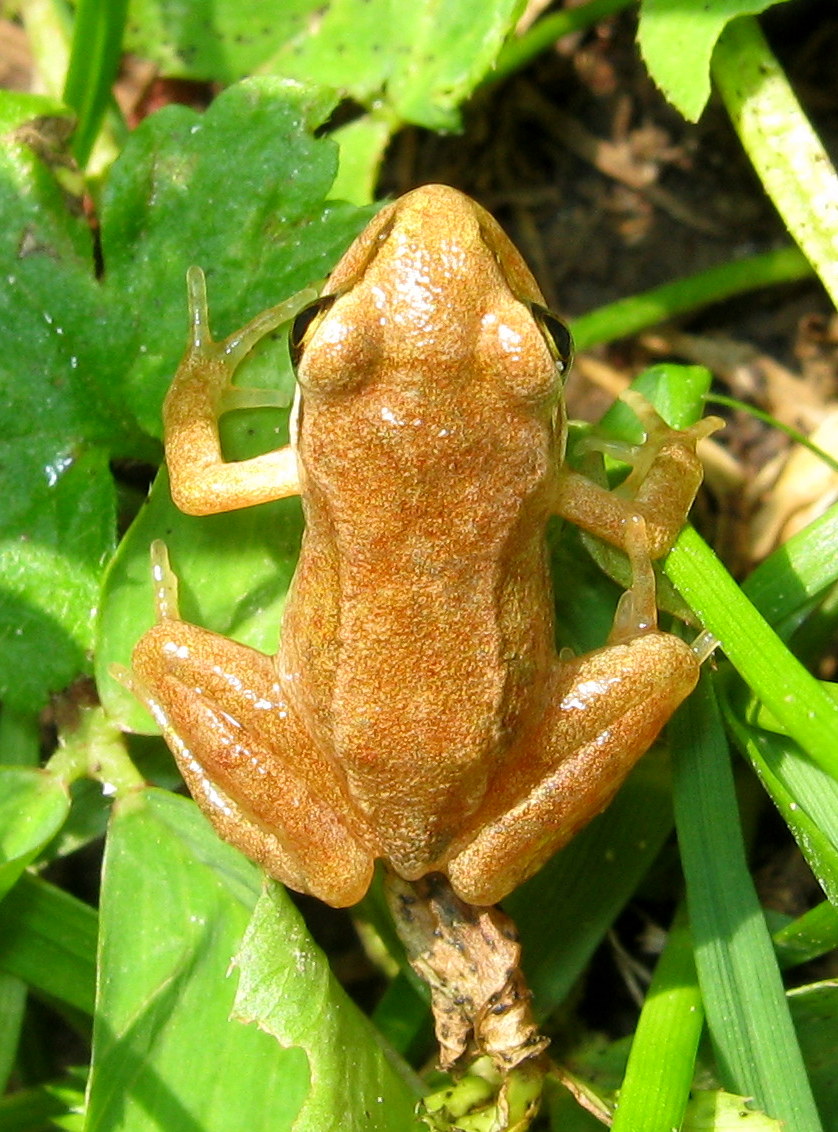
{"type": "Point", "coordinates": [556, 334]}
{"type": "Point", "coordinates": [303, 323]}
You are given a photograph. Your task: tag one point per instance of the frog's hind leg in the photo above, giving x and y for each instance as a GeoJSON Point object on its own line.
{"type": "Point", "coordinates": [248, 761]}
{"type": "Point", "coordinates": [605, 711]}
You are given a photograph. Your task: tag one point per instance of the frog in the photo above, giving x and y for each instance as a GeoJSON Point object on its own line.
{"type": "Point", "coordinates": [417, 711]}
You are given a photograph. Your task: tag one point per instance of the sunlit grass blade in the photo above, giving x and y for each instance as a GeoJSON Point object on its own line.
{"type": "Point", "coordinates": [795, 698]}
{"type": "Point", "coordinates": [542, 35]}
{"type": "Point", "coordinates": [798, 571]}
{"type": "Point", "coordinates": [753, 1036]}
{"type": "Point", "coordinates": [780, 141]}
{"type": "Point", "coordinates": [656, 1087]}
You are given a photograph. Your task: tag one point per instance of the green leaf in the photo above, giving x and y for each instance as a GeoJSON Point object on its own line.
{"type": "Point", "coordinates": [33, 806]}
{"type": "Point", "coordinates": [175, 903]}
{"type": "Point", "coordinates": [260, 235]}
{"type": "Point", "coordinates": [287, 988]}
{"type": "Point", "coordinates": [447, 46]}
{"type": "Point", "coordinates": [677, 41]}
{"type": "Point", "coordinates": [419, 67]}
{"type": "Point", "coordinates": [718, 1111]}
{"type": "Point", "coordinates": [58, 421]}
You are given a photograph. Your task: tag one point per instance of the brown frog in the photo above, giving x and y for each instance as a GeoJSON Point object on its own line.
{"type": "Point", "coordinates": [417, 710]}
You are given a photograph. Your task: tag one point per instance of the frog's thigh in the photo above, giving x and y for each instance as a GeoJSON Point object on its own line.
{"type": "Point", "coordinates": [606, 710]}
{"type": "Point", "coordinates": [248, 761]}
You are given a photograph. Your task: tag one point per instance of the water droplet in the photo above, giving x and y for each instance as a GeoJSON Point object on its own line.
{"type": "Point", "coordinates": [56, 469]}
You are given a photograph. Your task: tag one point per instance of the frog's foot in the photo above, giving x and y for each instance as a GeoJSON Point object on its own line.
{"type": "Point", "coordinates": [203, 349]}
{"type": "Point", "coordinates": [659, 437]}
{"type": "Point", "coordinates": [637, 611]}
{"type": "Point", "coordinates": [165, 583]}
{"type": "Point", "coordinates": [661, 486]}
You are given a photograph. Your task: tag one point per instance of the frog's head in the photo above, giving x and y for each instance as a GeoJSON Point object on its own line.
{"type": "Point", "coordinates": [433, 296]}
{"type": "Point", "coordinates": [431, 354]}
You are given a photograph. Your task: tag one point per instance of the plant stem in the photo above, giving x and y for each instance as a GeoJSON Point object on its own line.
{"type": "Point", "coordinates": [628, 316]}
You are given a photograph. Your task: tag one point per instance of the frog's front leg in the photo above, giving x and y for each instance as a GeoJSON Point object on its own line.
{"type": "Point", "coordinates": [666, 474]}
{"type": "Point", "coordinates": [245, 753]}
{"type": "Point", "coordinates": [202, 482]}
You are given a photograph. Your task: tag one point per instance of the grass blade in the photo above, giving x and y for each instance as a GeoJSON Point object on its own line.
{"type": "Point", "coordinates": [809, 936]}
{"type": "Point", "coordinates": [795, 698]}
{"type": "Point", "coordinates": [797, 571]}
{"type": "Point", "coordinates": [49, 941]}
{"type": "Point", "coordinates": [747, 1014]}
{"type": "Point", "coordinates": [638, 312]}
{"type": "Point", "coordinates": [780, 141]}
{"type": "Point", "coordinates": [94, 59]}
{"type": "Point", "coordinates": [806, 798]}
{"type": "Point", "coordinates": [656, 1087]}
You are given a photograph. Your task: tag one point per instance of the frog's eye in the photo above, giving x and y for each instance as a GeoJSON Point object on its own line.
{"type": "Point", "coordinates": [557, 336]}
{"type": "Point", "coordinates": [302, 325]}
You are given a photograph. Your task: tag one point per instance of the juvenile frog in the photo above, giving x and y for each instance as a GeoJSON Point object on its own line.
{"type": "Point", "coordinates": [417, 710]}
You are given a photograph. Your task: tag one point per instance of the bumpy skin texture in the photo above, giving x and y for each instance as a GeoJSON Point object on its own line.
{"type": "Point", "coordinates": [417, 710]}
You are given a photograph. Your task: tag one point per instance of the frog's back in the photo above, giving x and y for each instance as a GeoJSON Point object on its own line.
{"type": "Point", "coordinates": [421, 623]}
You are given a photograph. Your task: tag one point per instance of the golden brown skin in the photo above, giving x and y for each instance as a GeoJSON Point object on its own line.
{"type": "Point", "coordinates": [417, 710]}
